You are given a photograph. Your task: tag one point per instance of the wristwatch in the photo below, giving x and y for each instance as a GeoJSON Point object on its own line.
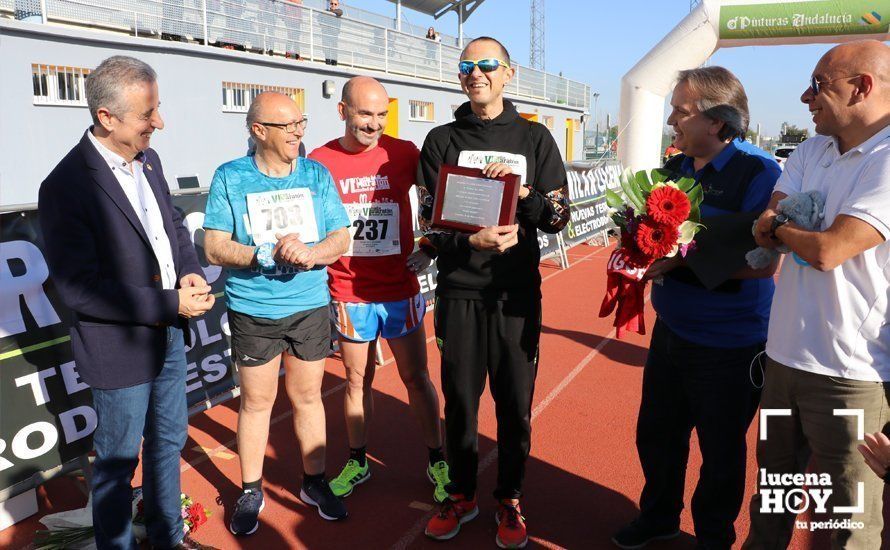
{"type": "Point", "coordinates": [778, 221]}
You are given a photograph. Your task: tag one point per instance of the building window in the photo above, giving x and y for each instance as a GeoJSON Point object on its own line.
{"type": "Point", "coordinates": [422, 110]}
{"type": "Point", "coordinates": [237, 96]}
{"type": "Point", "coordinates": [56, 85]}
{"type": "Point", "coordinates": [548, 122]}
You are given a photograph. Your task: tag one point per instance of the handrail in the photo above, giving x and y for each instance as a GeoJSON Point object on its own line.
{"type": "Point", "coordinates": [276, 26]}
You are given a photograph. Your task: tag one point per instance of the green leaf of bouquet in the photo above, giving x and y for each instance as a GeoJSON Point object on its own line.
{"type": "Point", "coordinates": [613, 199]}
{"type": "Point", "coordinates": [644, 185]}
{"type": "Point", "coordinates": [686, 184]}
{"type": "Point", "coordinates": [660, 175]}
{"type": "Point", "coordinates": [696, 194]}
{"type": "Point", "coordinates": [695, 214]}
{"type": "Point", "coordinates": [641, 178]}
{"type": "Point", "coordinates": [632, 192]}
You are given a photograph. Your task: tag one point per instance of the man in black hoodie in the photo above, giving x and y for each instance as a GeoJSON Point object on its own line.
{"type": "Point", "coordinates": [488, 299]}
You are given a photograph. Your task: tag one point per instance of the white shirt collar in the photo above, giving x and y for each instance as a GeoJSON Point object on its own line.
{"type": "Point", "coordinates": [112, 158]}
{"type": "Point", "coordinates": [872, 142]}
{"type": "Point", "coordinates": [867, 145]}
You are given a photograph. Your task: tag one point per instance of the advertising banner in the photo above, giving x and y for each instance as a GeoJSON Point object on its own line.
{"type": "Point", "coordinates": [46, 414]}
{"type": "Point", "coordinates": [587, 196]}
{"type": "Point", "coordinates": [804, 19]}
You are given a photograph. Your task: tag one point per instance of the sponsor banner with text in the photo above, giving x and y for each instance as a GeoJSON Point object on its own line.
{"type": "Point", "coordinates": [804, 19]}
{"type": "Point", "coordinates": [587, 196]}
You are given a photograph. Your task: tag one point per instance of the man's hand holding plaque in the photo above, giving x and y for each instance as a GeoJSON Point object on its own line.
{"type": "Point", "coordinates": [482, 202]}
{"type": "Point", "coordinates": [495, 238]}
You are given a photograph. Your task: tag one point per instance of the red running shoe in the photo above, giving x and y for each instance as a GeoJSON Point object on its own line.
{"type": "Point", "coordinates": [511, 525]}
{"type": "Point", "coordinates": [455, 511]}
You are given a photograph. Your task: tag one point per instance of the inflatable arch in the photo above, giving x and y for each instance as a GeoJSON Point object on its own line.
{"type": "Point", "coordinates": [715, 24]}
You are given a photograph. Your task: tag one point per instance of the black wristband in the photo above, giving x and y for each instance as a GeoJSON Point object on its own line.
{"type": "Point", "coordinates": [778, 221]}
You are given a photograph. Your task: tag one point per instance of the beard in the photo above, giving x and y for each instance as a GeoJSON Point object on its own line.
{"type": "Point", "coordinates": [366, 135]}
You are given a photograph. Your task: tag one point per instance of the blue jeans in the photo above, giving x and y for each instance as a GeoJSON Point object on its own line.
{"type": "Point", "coordinates": [155, 410]}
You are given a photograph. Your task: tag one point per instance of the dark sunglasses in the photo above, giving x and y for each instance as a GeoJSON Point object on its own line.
{"type": "Point", "coordinates": [466, 66]}
{"type": "Point", "coordinates": [816, 85]}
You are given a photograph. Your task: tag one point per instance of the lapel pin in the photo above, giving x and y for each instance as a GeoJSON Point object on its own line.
{"type": "Point", "coordinates": [147, 165]}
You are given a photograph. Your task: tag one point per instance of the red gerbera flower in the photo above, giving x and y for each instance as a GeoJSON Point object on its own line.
{"type": "Point", "coordinates": [196, 516]}
{"type": "Point", "coordinates": [654, 239]}
{"type": "Point", "coordinates": [668, 206]}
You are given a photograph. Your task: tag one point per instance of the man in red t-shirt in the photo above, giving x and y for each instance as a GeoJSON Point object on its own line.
{"type": "Point", "coordinates": [374, 288]}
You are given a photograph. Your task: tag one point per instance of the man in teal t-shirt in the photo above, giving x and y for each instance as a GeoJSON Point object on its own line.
{"type": "Point", "coordinates": [275, 221]}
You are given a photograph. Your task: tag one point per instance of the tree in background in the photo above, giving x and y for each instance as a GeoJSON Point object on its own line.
{"type": "Point", "coordinates": [792, 130]}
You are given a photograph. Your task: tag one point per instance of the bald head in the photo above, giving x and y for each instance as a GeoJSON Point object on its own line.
{"type": "Point", "coordinates": [870, 57]}
{"type": "Point", "coordinates": [365, 108]}
{"type": "Point", "coordinates": [853, 101]}
{"type": "Point", "coordinates": [362, 86]}
{"type": "Point", "coordinates": [272, 107]}
{"type": "Point", "coordinates": [276, 124]}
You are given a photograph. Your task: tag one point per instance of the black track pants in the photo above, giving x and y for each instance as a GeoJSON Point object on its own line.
{"type": "Point", "coordinates": [498, 339]}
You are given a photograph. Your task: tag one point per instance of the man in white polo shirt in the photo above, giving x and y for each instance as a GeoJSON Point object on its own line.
{"type": "Point", "coordinates": [829, 337]}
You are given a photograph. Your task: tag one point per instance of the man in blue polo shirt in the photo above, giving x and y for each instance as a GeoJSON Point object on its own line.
{"type": "Point", "coordinates": [713, 313]}
{"type": "Point", "coordinates": [276, 222]}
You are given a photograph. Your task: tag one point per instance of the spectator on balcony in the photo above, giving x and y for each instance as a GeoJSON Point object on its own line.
{"type": "Point", "coordinates": [293, 22]}
{"type": "Point", "coordinates": [172, 23]}
{"type": "Point", "coordinates": [330, 32]}
{"type": "Point", "coordinates": [432, 47]}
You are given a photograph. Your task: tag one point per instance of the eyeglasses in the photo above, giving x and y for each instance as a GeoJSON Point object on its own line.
{"type": "Point", "coordinates": [816, 85]}
{"type": "Point", "coordinates": [289, 127]}
{"type": "Point", "coordinates": [466, 66]}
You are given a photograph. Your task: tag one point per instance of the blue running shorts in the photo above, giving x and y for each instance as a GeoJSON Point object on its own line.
{"type": "Point", "coordinates": [364, 322]}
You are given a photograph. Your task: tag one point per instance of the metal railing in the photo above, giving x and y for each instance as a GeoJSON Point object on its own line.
{"type": "Point", "coordinates": [358, 39]}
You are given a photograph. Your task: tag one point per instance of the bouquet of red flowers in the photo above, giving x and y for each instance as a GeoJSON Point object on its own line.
{"type": "Point", "coordinates": [658, 218]}
{"type": "Point", "coordinates": [74, 529]}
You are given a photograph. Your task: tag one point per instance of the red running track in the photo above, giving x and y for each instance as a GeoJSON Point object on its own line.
{"type": "Point", "coordinates": [583, 477]}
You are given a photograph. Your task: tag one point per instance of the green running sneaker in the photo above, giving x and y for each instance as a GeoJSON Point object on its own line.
{"type": "Point", "coordinates": [352, 475]}
{"type": "Point", "coordinates": [438, 476]}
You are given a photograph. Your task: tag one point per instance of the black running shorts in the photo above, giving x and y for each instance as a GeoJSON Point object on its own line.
{"type": "Point", "coordinates": [256, 340]}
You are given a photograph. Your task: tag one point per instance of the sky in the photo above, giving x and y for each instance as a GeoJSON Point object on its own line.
{"type": "Point", "coordinates": [598, 41]}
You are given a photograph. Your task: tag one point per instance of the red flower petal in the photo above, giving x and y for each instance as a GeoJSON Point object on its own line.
{"type": "Point", "coordinates": [668, 206]}
{"type": "Point", "coordinates": [654, 239]}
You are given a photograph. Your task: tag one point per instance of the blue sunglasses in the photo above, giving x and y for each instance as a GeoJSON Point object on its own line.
{"type": "Point", "coordinates": [466, 66]}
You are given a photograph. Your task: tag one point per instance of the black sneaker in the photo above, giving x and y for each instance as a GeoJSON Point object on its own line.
{"type": "Point", "coordinates": [247, 510]}
{"type": "Point", "coordinates": [319, 494]}
{"type": "Point", "coordinates": [638, 535]}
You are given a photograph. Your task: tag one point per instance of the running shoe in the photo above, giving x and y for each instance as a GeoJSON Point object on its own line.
{"type": "Point", "coordinates": [353, 474]}
{"type": "Point", "coordinates": [511, 525]}
{"type": "Point", "coordinates": [318, 494]}
{"type": "Point", "coordinates": [247, 510]}
{"type": "Point", "coordinates": [456, 511]}
{"type": "Point", "coordinates": [438, 475]}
